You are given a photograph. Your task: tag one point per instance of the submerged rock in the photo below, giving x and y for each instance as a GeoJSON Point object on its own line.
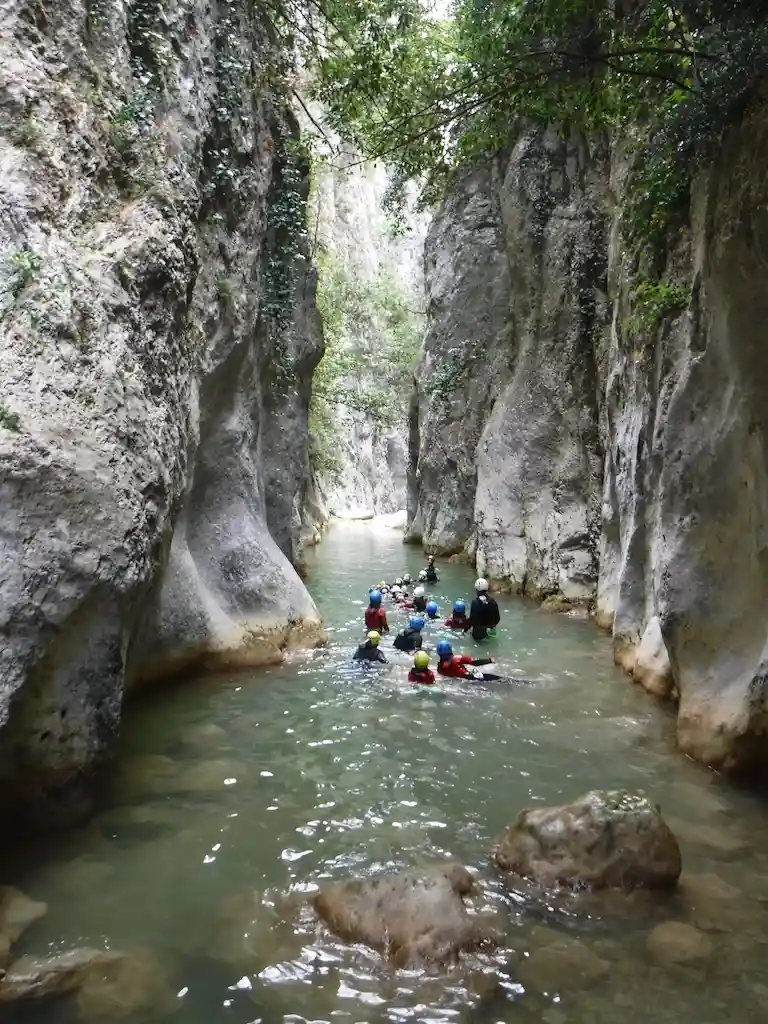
{"type": "Point", "coordinates": [604, 840]}
{"type": "Point", "coordinates": [675, 942]}
{"type": "Point", "coordinates": [106, 984]}
{"type": "Point", "coordinates": [203, 735]}
{"type": "Point", "coordinates": [411, 918]}
{"type": "Point", "coordinates": [18, 912]}
{"type": "Point", "coordinates": [560, 963]}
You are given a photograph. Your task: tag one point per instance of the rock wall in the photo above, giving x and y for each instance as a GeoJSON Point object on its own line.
{"type": "Point", "coordinates": [595, 463]}
{"type": "Point", "coordinates": [159, 335]}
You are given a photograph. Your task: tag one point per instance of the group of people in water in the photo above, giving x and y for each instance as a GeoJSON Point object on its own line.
{"type": "Point", "coordinates": [482, 620]}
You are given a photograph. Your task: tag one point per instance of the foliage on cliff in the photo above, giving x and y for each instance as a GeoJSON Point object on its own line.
{"type": "Point", "coordinates": [372, 339]}
{"type": "Point", "coordinates": [434, 95]}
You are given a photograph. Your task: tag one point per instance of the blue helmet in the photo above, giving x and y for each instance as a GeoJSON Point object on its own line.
{"type": "Point", "coordinates": [375, 597]}
{"type": "Point", "coordinates": [432, 607]}
{"type": "Point", "coordinates": [444, 649]}
{"type": "Point", "coordinates": [459, 608]}
{"type": "Point", "coordinates": [416, 622]}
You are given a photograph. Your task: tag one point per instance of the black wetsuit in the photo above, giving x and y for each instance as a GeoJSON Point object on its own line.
{"type": "Point", "coordinates": [369, 652]}
{"type": "Point", "coordinates": [432, 576]}
{"type": "Point", "coordinates": [408, 640]}
{"type": "Point", "coordinates": [483, 615]}
{"type": "Point", "coordinates": [420, 604]}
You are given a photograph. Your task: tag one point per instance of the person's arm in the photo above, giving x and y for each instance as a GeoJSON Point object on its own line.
{"type": "Point", "coordinates": [357, 656]}
{"type": "Point", "coordinates": [384, 623]}
{"type": "Point", "coordinates": [482, 661]}
{"type": "Point", "coordinates": [380, 656]}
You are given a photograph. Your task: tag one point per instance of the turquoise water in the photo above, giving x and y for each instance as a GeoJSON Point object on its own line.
{"type": "Point", "coordinates": [236, 795]}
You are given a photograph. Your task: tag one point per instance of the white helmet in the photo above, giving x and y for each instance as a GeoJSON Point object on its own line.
{"type": "Point", "coordinates": [423, 574]}
{"type": "Point", "coordinates": [481, 586]}
{"type": "Point", "coordinates": [399, 581]}
{"type": "Point", "coordinates": [418, 592]}
{"type": "Point", "coordinates": [406, 578]}
{"type": "Point", "coordinates": [395, 590]}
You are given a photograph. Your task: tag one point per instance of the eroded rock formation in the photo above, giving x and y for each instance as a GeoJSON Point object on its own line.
{"type": "Point", "coordinates": [159, 335]}
{"type": "Point", "coordinates": [578, 456]}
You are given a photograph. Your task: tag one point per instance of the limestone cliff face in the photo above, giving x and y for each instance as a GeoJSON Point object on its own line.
{"type": "Point", "coordinates": [594, 465]}
{"type": "Point", "coordinates": [158, 340]}
{"type": "Point", "coordinates": [508, 467]}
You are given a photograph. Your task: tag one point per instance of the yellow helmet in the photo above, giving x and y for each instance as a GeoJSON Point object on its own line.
{"type": "Point", "coordinates": [374, 636]}
{"type": "Point", "coordinates": [421, 659]}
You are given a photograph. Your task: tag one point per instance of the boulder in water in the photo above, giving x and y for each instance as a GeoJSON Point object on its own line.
{"type": "Point", "coordinates": [18, 912]}
{"type": "Point", "coordinates": [107, 985]}
{"type": "Point", "coordinates": [604, 840]}
{"type": "Point", "coordinates": [411, 918]}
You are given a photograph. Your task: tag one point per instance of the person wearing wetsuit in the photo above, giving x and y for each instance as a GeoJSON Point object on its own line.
{"type": "Point", "coordinates": [421, 672]}
{"type": "Point", "coordinates": [369, 651]}
{"type": "Point", "coordinates": [410, 638]}
{"type": "Point", "coordinates": [458, 618]}
{"type": "Point", "coordinates": [375, 616]}
{"type": "Point", "coordinates": [432, 609]}
{"type": "Point", "coordinates": [419, 600]}
{"type": "Point", "coordinates": [431, 571]}
{"type": "Point", "coordinates": [461, 666]}
{"type": "Point", "coordinates": [483, 612]}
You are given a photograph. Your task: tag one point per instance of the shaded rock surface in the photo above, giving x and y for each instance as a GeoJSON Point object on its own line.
{"type": "Point", "coordinates": [158, 337]}
{"type": "Point", "coordinates": [578, 452]}
{"type": "Point", "coordinates": [604, 840]}
{"type": "Point", "coordinates": [411, 918]}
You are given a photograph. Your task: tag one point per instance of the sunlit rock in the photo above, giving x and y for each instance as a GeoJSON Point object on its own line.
{"type": "Point", "coordinates": [412, 918]}
{"type": "Point", "coordinates": [604, 840]}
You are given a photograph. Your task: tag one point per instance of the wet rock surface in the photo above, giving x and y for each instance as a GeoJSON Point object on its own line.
{"type": "Point", "coordinates": [105, 985]}
{"type": "Point", "coordinates": [411, 919]}
{"type": "Point", "coordinates": [604, 840]}
{"type": "Point", "coordinates": [18, 912]}
{"type": "Point", "coordinates": [559, 963]}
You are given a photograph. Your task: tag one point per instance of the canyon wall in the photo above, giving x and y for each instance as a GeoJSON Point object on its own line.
{"type": "Point", "coordinates": [585, 459]}
{"type": "Point", "coordinates": [159, 336]}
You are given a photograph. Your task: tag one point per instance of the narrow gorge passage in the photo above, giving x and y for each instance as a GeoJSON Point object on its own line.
{"type": "Point", "coordinates": [235, 792]}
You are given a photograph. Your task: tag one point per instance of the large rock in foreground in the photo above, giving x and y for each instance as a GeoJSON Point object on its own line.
{"type": "Point", "coordinates": [411, 919]}
{"type": "Point", "coordinates": [158, 335]}
{"type": "Point", "coordinates": [604, 840]}
{"type": "Point", "coordinates": [105, 985]}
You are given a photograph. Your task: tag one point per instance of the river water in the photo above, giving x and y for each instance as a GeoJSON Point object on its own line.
{"type": "Point", "coordinates": [237, 794]}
